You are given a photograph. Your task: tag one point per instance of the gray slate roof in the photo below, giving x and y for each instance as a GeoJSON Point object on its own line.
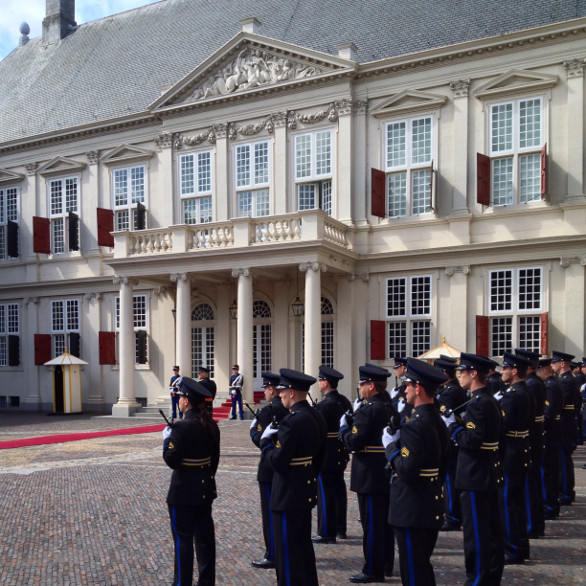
{"type": "Point", "coordinates": [117, 65]}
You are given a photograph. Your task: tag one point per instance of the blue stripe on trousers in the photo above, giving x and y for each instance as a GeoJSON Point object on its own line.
{"type": "Point", "coordinates": [476, 536]}
{"type": "Point", "coordinates": [177, 544]}
{"type": "Point", "coordinates": [286, 550]}
{"type": "Point", "coordinates": [410, 557]}
{"type": "Point", "coordinates": [324, 516]}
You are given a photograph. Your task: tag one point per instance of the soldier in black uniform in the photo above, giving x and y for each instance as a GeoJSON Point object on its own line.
{"type": "Point", "coordinates": [192, 449]}
{"type": "Point", "coordinates": [518, 410]}
{"type": "Point", "coordinates": [554, 405]}
{"type": "Point", "coordinates": [417, 454]}
{"type": "Point", "coordinates": [536, 388]}
{"type": "Point", "coordinates": [295, 451]}
{"type": "Point", "coordinates": [397, 393]}
{"type": "Point", "coordinates": [332, 498]}
{"type": "Point", "coordinates": [210, 385]}
{"type": "Point", "coordinates": [560, 363]}
{"type": "Point", "coordinates": [494, 382]}
{"type": "Point", "coordinates": [451, 397]}
{"type": "Point", "coordinates": [274, 411]}
{"type": "Point", "coordinates": [479, 474]}
{"type": "Point", "coordinates": [369, 477]}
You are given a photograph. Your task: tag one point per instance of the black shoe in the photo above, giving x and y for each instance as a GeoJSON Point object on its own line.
{"type": "Point", "coordinates": [450, 527]}
{"type": "Point", "coordinates": [551, 516]}
{"type": "Point", "coordinates": [511, 561]}
{"type": "Point", "coordinates": [342, 536]}
{"type": "Point", "coordinates": [535, 534]}
{"type": "Point", "coordinates": [264, 564]}
{"type": "Point", "coordinates": [366, 578]}
{"type": "Point", "coordinates": [565, 501]}
{"type": "Point", "coordinates": [320, 539]}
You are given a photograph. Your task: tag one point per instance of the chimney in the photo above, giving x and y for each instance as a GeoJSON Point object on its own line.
{"type": "Point", "coordinates": [250, 25]}
{"type": "Point", "coordinates": [59, 20]}
{"type": "Point", "coordinates": [347, 51]}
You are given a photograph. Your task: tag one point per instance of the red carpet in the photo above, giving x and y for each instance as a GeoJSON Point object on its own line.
{"type": "Point", "coordinates": [73, 437]}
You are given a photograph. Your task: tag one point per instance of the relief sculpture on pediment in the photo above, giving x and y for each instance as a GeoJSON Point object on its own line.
{"type": "Point", "coordinates": [252, 68]}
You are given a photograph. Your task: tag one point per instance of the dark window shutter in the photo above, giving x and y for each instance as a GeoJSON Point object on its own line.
{"type": "Point", "coordinates": [12, 240]}
{"type": "Point", "coordinates": [107, 344]}
{"type": "Point", "coordinates": [378, 181]}
{"type": "Point", "coordinates": [105, 227]}
{"type": "Point", "coordinates": [41, 235]}
{"type": "Point", "coordinates": [14, 350]}
{"type": "Point", "coordinates": [377, 340]}
{"type": "Point", "coordinates": [42, 348]}
{"type": "Point", "coordinates": [141, 340]}
{"type": "Point", "coordinates": [432, 203]}
{"type": "Point", "coordinates": [544, 323]}
{"type": "Point", "coordinates": [544, 171]}
{"type": "Point", "coordinates": [73, 231]}
{"type": "Point", "coordinates": [482, 337]}
{"type": "Point", "coordinates": [75, 344]}
{"type": "Point", "coordinates": [140, 216]}
{"type": "Point", "coordinates": [482, 179]}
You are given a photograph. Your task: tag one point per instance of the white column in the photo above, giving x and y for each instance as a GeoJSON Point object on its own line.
{"type": "Point", "coordinates": [312, 320]}
{"type": "Point", "coordinates": [460, 147]}
{"type": "Point", "coordinates": [183, 323]}
{"type": "Point", "coordinates": [575, 133]}
{"type": "Point", "coordinates": [126, 402]}
{"type": "Point", "coordinates": [280, 180]}
{"type": "Point", "coordinates": [453, 297]}
{"type": "Point", "coordinates": [244, 331]}
{"type": "Point", "coordinates": [93, 377]}
{"type": "Point", "coordinates": [222, 201]}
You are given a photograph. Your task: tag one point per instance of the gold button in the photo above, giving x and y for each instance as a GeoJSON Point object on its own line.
{"type": "Point", "coordinates": [436, 518]}
{"type": "Point", "coordinates": [309, 500]}
{"type": "Point", "coordinates": [309, 482]}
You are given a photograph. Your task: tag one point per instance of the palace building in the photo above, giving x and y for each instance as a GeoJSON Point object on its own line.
{"type": "Point", "coordinates": [287, 184]}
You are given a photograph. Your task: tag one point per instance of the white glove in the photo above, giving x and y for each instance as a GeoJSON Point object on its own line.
{"type": "Point", "coordinates": [448, 420]}
{"type": "Point", "coordinates": [394, 392]}
{"type": "Point", "coordinates": [254, 423]}
{"type": "Point", "coordinates": [498, 396]}
{"type": "Point", "coordinates": [166, 432]}
{"type": "Point", "coordinates": [344, 421]}
{"type": "Point", "coordinates": [389, 438]}
{"type": "Point", "coordinates": [401, 405]}
{"type": "Point", "coordinates": [268, 432]}
{"type": "Point", "coordinates": [233, 392]}
{"type": "Point", "coordinates": [356, 405]}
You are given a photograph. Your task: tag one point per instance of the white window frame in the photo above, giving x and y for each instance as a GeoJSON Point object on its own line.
{"type": "Point", "coordinates": [9, 326]}
{"type": "Point", "coordinates": [252, 178]}
{"type": "Point", "coordinates": [132, 197]}
{"type": "Point", "coordinates": [140, 321]}
{"type": "Point", "coordinates": [205, 329]}
{"type": "Point", "coordinates": [71, 323]}
{"type": "Point", "coordinates": [59, 219]}
{"type": "Point", "coordinates": [9, 211]}
{"type": "Point", "coordinates": [196, 192]}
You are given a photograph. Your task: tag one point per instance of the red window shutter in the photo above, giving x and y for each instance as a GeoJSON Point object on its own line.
{"type": "Point", "coordinates": [482, 335]}
{"type": "Point", "coordinates": [544, 323]}
{"type": "Point", "coordinates": [377, 340]}
{"type": "Point", "coordinates": [482, 179]}
{"type": "Point", "coordinates": [544, 171]}
{"type": "Point", "coordinates": [41, 235]}
{"type": "Point", "coordinates": [378, 181]}
{"type": "Point", "coordinates": [107, 345]}
{"type": "Point", "coordinates": [105, 227]}
{"type": "Point", "coordinates": [42, 348]}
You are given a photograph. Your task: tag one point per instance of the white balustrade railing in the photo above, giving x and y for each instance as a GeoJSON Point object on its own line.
{"type": "Point", "coordinates": [150, 242]}
{"type": "Point", "coordinates": [279, 229]}
{"type": "Point", "coordinates": [211, 236]}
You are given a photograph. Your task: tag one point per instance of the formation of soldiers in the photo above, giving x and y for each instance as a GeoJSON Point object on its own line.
{"type": "Point", "coordinates": [453, 446]}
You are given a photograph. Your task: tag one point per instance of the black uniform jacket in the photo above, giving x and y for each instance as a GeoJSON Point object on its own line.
{"type": "Point", "coordinates": [194, 457]}
{"type": "Point", "coordinates": [451, 396]}
{"type": "Point", "coordinates": [296, 458]}
{"type": "Point", "coordinates": [537, 391]}
{"type": "Point", "coordinates": [518, 414]}
{"type": "Point", "coordinates": [274, 410]}
{"type": "Point", "coordinates": [478, 436]}
{"type": "Point", "coordinates": [210, 385]}
{"type": "Point", "coordinates": [572, 397]}
{"type": "Point", "coordinates": [369, 473]}
{"type": "Point", "coordinates": [554, 405]}
{"type": "Point", "coordinates": [333, 406]}
{"type": "Point", "coordinates": [418, 467]}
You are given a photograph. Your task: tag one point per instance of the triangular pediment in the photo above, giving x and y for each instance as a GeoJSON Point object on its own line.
{"type": "Point", "coordinates": [516, 81]}
{"type": "Point", "coordinates": [9, 177]}
{"type": "Point", "coordinates": [61, 165]}
{"type": "Point", "coordinates": [250, 63]}
{"type": "Point", "coordinates": [408, 101]}
{"type": "Point", "coordinates": [126, 153]}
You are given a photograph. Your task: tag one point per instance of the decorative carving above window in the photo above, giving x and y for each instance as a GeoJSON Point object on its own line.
{"type": "Point", "coordinates": [61, 165]}
{"type": "Point", "coordinates": [408, 101]}
{"type": "Point", "coordinates": [126, 153]}
{"type": "Point", "coordinates": [514, 82]}
{"type": "Point", "coordinates": [7, 176]}
{"type": "Point", "coordinates": [208, 134]}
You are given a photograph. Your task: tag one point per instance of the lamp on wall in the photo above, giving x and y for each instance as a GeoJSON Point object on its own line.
{"type": "Point", "coordinates": [297, 306]}
{"type": "Point", "coordinates": [233, 310]}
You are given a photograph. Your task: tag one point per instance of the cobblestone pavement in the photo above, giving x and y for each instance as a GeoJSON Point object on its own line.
{"type": "Point", "coordinates": [93, 512]}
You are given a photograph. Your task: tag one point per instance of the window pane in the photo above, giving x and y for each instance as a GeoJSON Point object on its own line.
{"type": "Point", "coordinates": [3, 351]}
{"type": "Point", "coordinates": [139, 311]}
{"type": "Point", "coordinates": [396, 145]}
{"type": "Point", "coordinates": [11, 204]}
{"type": "Point", "coordinates": [501, 127]}
{"type": "Point", "coordinates": [327, 343]}
{"type": "Point", "coordinates": [72, 315]}
{"type": "Point", "coordinates": [530, 333]}
{"type": "Point", "coordinates": [123, 220]}
{"type": "Point", "coordinates": [187, 175]}
{"type": "Point", "coordinates": [420, 337]}
{"type": "Point", "coordinates": [326, 197]}
{"type": "Point", "coordinates": [245, 204]}
{"type": "Point", "coordinates": [13, 321]}
{"type": "Point", "coordinates": [243, 166]}
{"type": "Point", "coordinates": [530, 123]}
{"type": "Point", "coordinates": [137, 184]}
{"type": "Point", "coordinates": [502, 181]}
{"type": "Point", "coordinates": [323, 153]}
{"type": "Point", "coordinates": [397, 338]}
{"type": "Point", "coordinates": [57, 316]}
{"type": "Point", "coordinates": [397, 194]}
{"type": "Point", "coordinates": [421, 295]}
{"type": "Point", "coordinates": [205, 209]}
{"type": "Point", "coordinates": [501, 291]}
{"type": "Point", "coordinates": [189, 211]}
{"type": "Point", "coordinates": [530, 289]}
{"type": "Point", "coordinates": [396, 297]}
{"type": "Point", "coordinates": [58, 235]}
{"type": "Point", "coordinates": [3, 329]}
{"type": "Point", "coordinates": [303, 156]}
{"type": "Point", "coordinates": [202, 312]}
{"type": "Point", "coordinates": [421, 141]}
{"type": "Point", "coordinates": [501, 335]}
{"type": "Point", "coordinates": [421, 192]}
{"type": "Point", "coordinates": [2, 242]}
{"type": "Point", "coordinates": [56, 197]}
{"type": "Point", "coordinates": [204, 172]}
{"type": "Point", "coordinates": [262, 202]}
{"type": "Point", "coordinates": [71, 195]}
{"type": "Point", "coordinates": [306, 197]}
{"type": "Point", "coordinates": [120, 187]}
{"type": "Point", "coordinates": [530, 178]}
{"type": "Point", "coordinates": [261, 163]}
{"type": "Point", "coordinates": [58, 344]}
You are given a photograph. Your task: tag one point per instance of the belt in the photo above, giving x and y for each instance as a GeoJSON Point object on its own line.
{"type": "Point", "coordinates": [519, 434]}
{"type": "Point", "coordinates": [540, 418]}
{"type": "Point", "coordinates": [489, 446]}
{"type": "Point", "coordinates": [199, 463]}
{"type": "Point", "coordinates": [302, 461]}
{"type": "Point", "coordinates": [333, 434]}
{"type": "Point", "coordinates": [569, 407]}
{"type": "Point", "coordinates": [558, 417]}
{"type": "Point", "coordinates": [372, 450]}
{"type": "Point", "coordinates": [429, 472]}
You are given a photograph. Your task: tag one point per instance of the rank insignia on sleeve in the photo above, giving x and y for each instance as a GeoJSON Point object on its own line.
{"type": "Point", "coordinates": [171, 446]}
{"type": "Point", "coordinates": [354, 429]}
{"type": "Point", "coordinates": [278, 444]}
{"type": "Point", "coordinates": [470, 425]}
{"type": "Point", "coordinates": [404, 452]}
{"type": "Point", "coordinates": [259, 427]}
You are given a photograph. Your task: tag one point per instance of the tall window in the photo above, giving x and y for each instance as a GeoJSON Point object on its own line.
{"type": "Point", "coordinates": [202, 337]}
{"type": "Point", "coordinates": [409, 154]}
{"type": "Point", "coordinates": [8, 213]}
{"type": "Point", "coordinates": [139, 322]}
{"type": "Point", "coordinates": [9, 328]}
{"type": "Point", "coordinates": [515, 308]}
{"type": "Point", "coordinates": [516, 140]}
{"type": "Point", "coordinates": [409, 313]}
{"type": "Point", "coordinates": [252, 179]}
{"type": "Point", "coordinates": [327, 332]}
{"type": "Point", "coordinates": [195, 183]}
{"type": "Point", "coordinates": [313, 170]}
{"type": "Point", "coordinates": [129, 191]}
{"type": "Point", "coordinates": [261, 340]}
{"type": "Point", "coordinates": [63, 200]}
{"type": "Point", "coordinates": [65, 326]}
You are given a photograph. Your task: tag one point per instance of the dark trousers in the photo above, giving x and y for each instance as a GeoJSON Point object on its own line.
{"type": "Point", "coordinates": [551, 467]}
{"type": "Point", "coordinates": [237, 400]}
{"type": "Point", "coordinates": [190, 524]}
{"type": "Point", "coordinates": [332, 503]}
{"type": "Point", "coordinates": [378, 541]}
{"type": "Point", "coordinates": [295, 558]}
{"type": "Point", "coordinates": [534, 494]}
{"type": "Point", "coordinates": [416, 547]}
{"type": "Point", "coordinates": [566, 474]}
{"type": "Point", "coordinates": [483, 537]}
{"type": "Point", "coordinates": [514, 515]}
{"type": "Point", "coordinates": [268, 526]}
{"type": "Point", "coordinates": [452, 509]}
{"type": "Point", "coordinates": [175, 407]}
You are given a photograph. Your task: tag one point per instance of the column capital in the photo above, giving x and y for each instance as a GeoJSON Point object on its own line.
{"type": "Point", "coordinates": [365, 277]}
{"type": "Point", "coordinates": [124, 281]}
{"type": "Point", "coordinates": [175, 277]}
{"type": "Point", "coordinates": [245, 272]}
{"type": "Point", "coordinates": [314, 266]}
{"type": "Point", "coordinates": [460, 88]}
{"type": "Point", "coordinates": [566, 261]}
{"type": "Point", "coordinates": [575, 67]}
{"type": "Point", "coordinates": [451, 270]}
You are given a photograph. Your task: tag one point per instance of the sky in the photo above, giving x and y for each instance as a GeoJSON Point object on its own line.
{"type": "Point", "coordinates": [14, 12]}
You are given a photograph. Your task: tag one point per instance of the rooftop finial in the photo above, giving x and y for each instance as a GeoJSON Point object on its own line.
{"type": "Point", "coordinates": [24, 29]}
